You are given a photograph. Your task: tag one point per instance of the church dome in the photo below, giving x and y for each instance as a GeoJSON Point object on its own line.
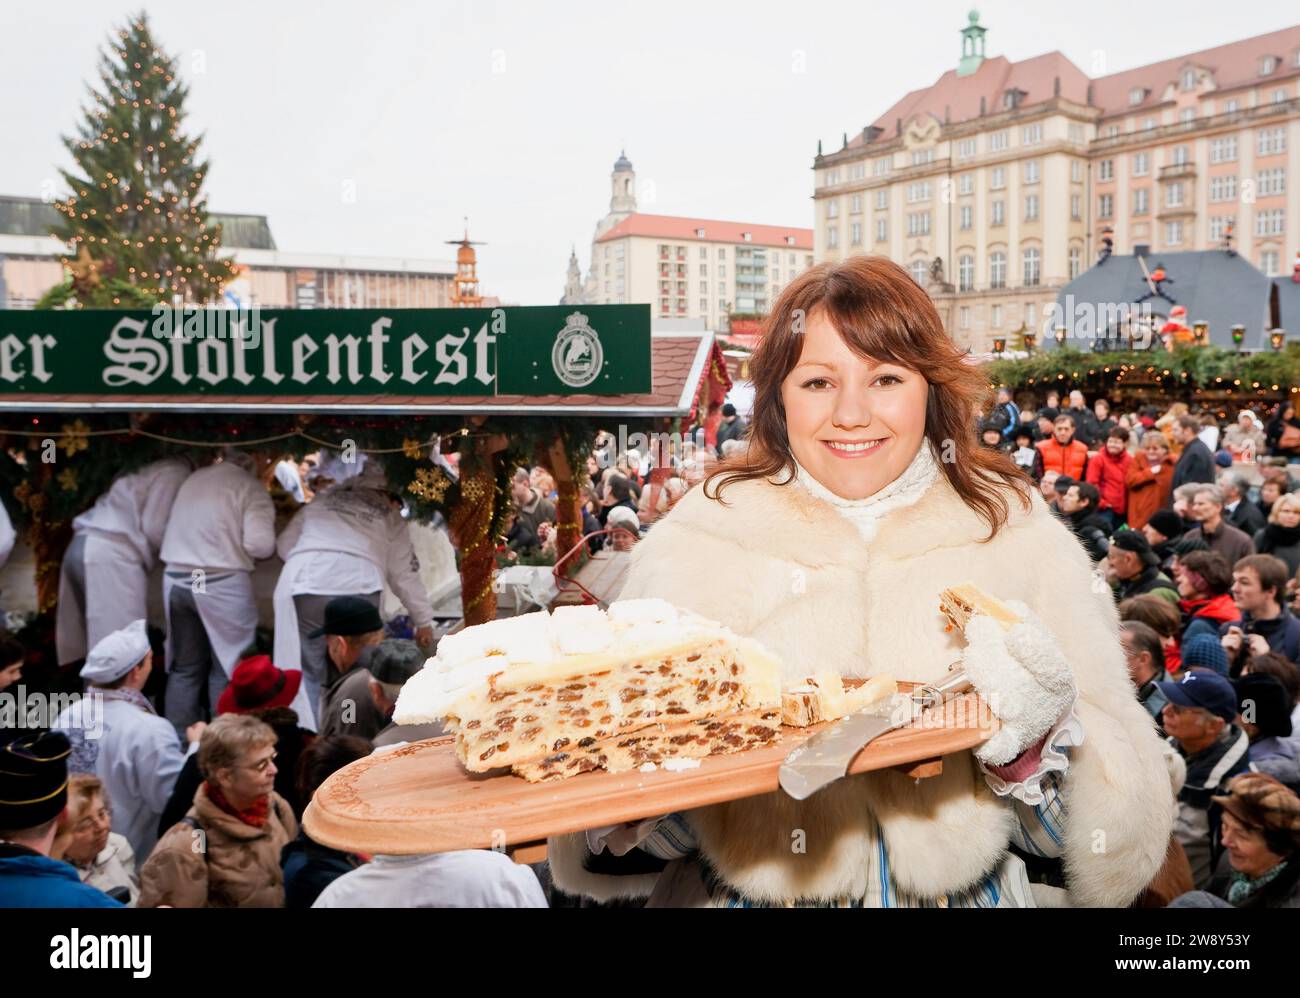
{"type": "Point", "coordinates": [622, 163]}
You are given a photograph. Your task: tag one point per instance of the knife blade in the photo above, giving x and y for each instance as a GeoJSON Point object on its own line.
{"type": "Point", "coordinates": [827, 755]}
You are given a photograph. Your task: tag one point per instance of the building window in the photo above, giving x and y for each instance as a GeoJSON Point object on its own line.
{"type": "Point", "coordinates": [1271, 182]}
{"type": "Point", "coordinates": [998, 178]}
{"type": "Point", "coordinates": [1270, 141]}
{"type": "Point", "coordinates": [966, 183]}
{"type": "Point", "coordinates": [1148, 124]}
{"type": "Point", "coordinates": [1032, 260]}
{"type": "Point", "coordinates": [967, 216]}
{"type": "Point", "coordinates": [1180, 156]}
{"type": "Point", "coordinates": [882, 199]}
{"type": "Point", "coordinates": [704, 268]}
{"type": "Point", "coordinates": [1031, 134]}
{"type": "Point", "coordinates": [995, 316]}
{"type": "Point", "coordinates": [1223, 188]}
{"type": "Point", "coordinates": [1141, 201]}
{"type": "Point", "coordinates": [833, 208]}
{"type": "Point", "coordinates": [1187, 114]}
{"type": "Point", "coordinates": [722, 269]}
{"type": "Point", "coordinates": [1268, 262]}
{"type": "Point", "coordinates": [1031, 207]}
{"type": "Point", "coordinates": [1219, 227]}
{"type": "Point", "coordinates": [882, 230]}
{"type": "Point", "coordinates": [997, 269]}
{"type": "Point", "coordinates": [1141, 164]}
{"type": "Point", "coordinates": [704, 305]}
{"type": "Point", "coordinates": [1189, 79]}
{"type": "Point", "coordinates": [858, 171]}
{"type": "Point", "coordinates": [722, 252]}
{"type": "Point", "coordinates": [1076, 207]}
{"type": "Point", "coordinates": [722, 306]}
{"type": "Point", "coordinates": [1032, 171]}
{"type": "Point", "coordinates": [855, 233]}
{"type": "Point", "coordinates": [1106, 206]}
{"type": "Point", "coordinates": [918, 191]}
{"type": "Point", "coordinates": [964, 313]}
{"type": "Point", "coordinates": [922, 156]}
{"type": "Point", "coordinates": [997, 141]}
{"type": "Point", "coordinates": [1230, 105]}
{"type": "Point", "coordinates": [918, 270]}
{"type": "Point", "coordinates": [965, 273]}
{"type": "Point", "coordinates": [1076, 262]}
{"type": "Point", "coordinates": [1106, 169]}
{"type": "Point", "coordinates": [998, 212]}
{"type": "Point", "coordinates": [965, 148]}
{"type": "Point", "coordinates": [1075, 132]}
{"type": "Point", "coordinates": [881, 166]}
{"type": "Point", "coordinates": [832, 238]}
{"type": "Point", "coordinates": [1267, 65]}
{"type": "Point", "coordinates": [1076, 171]}
{"type": "Point", "coordinates": [1112, 131]}
{"type": "Point", "coordinates": [1174, 195]}
{"type": "Point", "coordinates": [855, 204]}
{"type": "Point", "coordinates": [1173, 233]}
{"type": "Point", "coordinates": [1269, 223]}
{"type": "Point", "coordinates": [1136, 96]}
{"type": "Point", "coordinates": [1223, 150]}
{"type": "Point", "coordinates": [918, 223]}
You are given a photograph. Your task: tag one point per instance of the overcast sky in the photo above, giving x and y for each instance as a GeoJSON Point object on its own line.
{"type": "Point", "coordinates": [513, 112]}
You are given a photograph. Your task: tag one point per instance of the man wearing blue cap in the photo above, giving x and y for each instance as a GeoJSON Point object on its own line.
{"type": "Point", "coordinates": [1199, 720]}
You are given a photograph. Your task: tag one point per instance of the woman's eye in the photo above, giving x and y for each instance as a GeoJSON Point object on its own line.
{"type": "Point", "coordinates": [815, 383]}
{"type": "Point", "coordinates": [890, 379]}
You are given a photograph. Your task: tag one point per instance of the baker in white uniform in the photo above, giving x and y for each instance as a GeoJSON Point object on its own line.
{"type": "Point", "coordinates": [117, 736]}
{"type": "Point", "coordinates": [347, 541]}
{"type": "Point", "coordinates": [103, 581]}
{"type": "Point", "coordinates": [222, 521]}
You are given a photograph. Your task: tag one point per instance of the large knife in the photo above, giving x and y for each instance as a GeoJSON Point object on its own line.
{"type": "Point", "coordinates": [827, 755]}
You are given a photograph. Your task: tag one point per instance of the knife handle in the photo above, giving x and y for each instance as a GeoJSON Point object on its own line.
{"type": "Point", "coordinates": [933, 694]}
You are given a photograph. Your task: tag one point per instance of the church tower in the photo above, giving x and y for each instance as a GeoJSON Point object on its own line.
{"type": "Point", "coordinates": [573, 287]}
{"type": "Point", "coordinates": [622, 200]}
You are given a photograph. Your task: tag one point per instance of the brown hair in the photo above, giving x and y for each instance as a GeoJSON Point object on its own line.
{"type": "Point", "coordinates": [1212, 567]}
{"type": "Point", "coordinates": [1270, 570]}
{"type": "Point", "coordinates": [1154, 611]}
{"type": "Point", "coordinates": [1119, 433]}
{"type": "Point", "coordinates": [1157, 438]}
{"type": "Point", "coordinates": [227, 738]}
{"type": "Point", "coordinates": [883, 314]}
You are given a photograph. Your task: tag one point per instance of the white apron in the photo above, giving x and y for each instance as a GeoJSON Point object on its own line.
{"type": "Point", "coordinates": [116, 594]}
{"type": "Point", "coordinates": [227, 609]}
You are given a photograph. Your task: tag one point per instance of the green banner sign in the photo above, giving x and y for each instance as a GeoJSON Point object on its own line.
{"type": "Point", "coordinates": [546, 350]}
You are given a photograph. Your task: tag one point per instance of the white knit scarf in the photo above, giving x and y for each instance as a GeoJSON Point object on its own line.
{"type": "Point", "coordinates": [903, 491]}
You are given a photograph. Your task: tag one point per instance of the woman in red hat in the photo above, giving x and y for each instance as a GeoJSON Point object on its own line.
{"type": "Point", "coordinates": [258, 688]}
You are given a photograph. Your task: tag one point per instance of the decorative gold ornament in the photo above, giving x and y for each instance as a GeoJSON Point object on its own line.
{"type": "Point", "coordinates": [74, 437]}
{"type": "Point", "coordinates": [68, 479]}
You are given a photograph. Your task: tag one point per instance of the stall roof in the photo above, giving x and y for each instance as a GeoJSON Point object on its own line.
{"type": "Point", "coordinates": [678, 363]}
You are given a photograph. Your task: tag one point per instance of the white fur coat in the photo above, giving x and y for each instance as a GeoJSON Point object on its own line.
{"type": "Point", "coordinates": [783, 566]}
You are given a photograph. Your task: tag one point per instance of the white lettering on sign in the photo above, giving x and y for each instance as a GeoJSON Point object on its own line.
{"type": "Point", "coordinates": [303, 347]}
{"type": "Point", "coordinates": [137, 359]}
{"type": "Point", "coordinates": [482, 340]}
{"type": "Point", "coordinates": [449, 356]}
{"type": "Point", "coordinates": [377, 340]}
{"type": "Point", "coordinates": [213, 364]}
{"type": "Point", "coordinates": [38, 345]}
{"type": "Point", "coordinates": [335, 345]}
{"type": "Point", "coordinates": [269, 371]}
{"type": "Point", "coordinates": [10, 348]}
{"type": "Point", "coordinates": [413, 348]}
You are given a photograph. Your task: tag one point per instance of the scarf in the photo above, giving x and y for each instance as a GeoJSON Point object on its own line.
{"type": "Point", "coordinates": [866, 514]}
{"type": "Point", "coordinates": [1243, 887]}
{"type": "Point", "coordinates": [1276, 536]}
{"type": "Point", "coordinates": [255, 815]}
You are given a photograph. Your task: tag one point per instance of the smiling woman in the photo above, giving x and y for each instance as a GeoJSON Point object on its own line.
{"type": "Point", "coordinates": [862, 496]}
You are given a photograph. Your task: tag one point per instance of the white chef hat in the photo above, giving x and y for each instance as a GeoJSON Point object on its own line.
{"type": "Point", "coordinates": [623, 516]}
{"type": "Point", "coordinates": [116, 654]}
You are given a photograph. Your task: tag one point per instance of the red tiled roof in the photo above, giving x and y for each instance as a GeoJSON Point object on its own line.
{"type": "Point", "coordinates": [1233, 65]}
{"type": "Point", "coordinates": [678, 363]}
{"type": "Point", "coordinates": [958, 97]}
{"type": "Point", "coordinates": [673, 227]}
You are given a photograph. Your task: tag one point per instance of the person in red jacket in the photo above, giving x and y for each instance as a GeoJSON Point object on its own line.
{"type": "Point", "coordinates": [1061, 452]}
{"type": "Point", "coordinates": [1108, 470]}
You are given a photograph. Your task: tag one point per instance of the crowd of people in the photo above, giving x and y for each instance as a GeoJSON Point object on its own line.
{"type": "Point", "coordinates": [1194, 525]}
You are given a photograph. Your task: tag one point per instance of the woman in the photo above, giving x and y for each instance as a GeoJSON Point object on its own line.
{"type": "Point", "coordinates": [1283, 433]}
{"type": "Point", "coordinates": [1271, 489]}
{"type": "Point", "coordinates": [1166, 423]}
{"type": "Point", "coordinates": [1204, 581]}
{"type": "Point", "coordinates": [310, 867]}
{"type": "Point", "coordinates": [226, 852]}
{"type": "Point", "coordinates": [1281, 535]}
{"type": "Point", "coordinates": [1150, 479]}
{"type": "Point", "coordinates": [1261, 833]}
{"type": "Point", "coordinates": [86, 840]}
{"type": "Point", "coordinates": [1162, 617]}
{"type": "Point", "coordinates": [864, 494]}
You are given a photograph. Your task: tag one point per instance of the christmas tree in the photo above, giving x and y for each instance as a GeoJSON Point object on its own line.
{"type": "Point", "coordinates": [136, 220]}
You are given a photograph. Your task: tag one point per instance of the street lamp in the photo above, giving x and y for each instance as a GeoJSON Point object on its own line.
{"type": "Point", "coordinates": [1238, 334]}
{"type": "Point", "coordinates": [1276, 338]}
{"type": "Point", "coordinates": [999, 344]}
{"type": "Point", "coordinates": [1030, 340]}
{"type": "Point", "coordinates": [1201, 330]}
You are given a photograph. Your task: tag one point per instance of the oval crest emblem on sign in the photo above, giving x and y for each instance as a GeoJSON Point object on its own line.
{"type": "Point", "coordinates": [577, 356]}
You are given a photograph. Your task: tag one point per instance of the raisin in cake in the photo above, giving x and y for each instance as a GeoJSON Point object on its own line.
{"type": "Point", "coordinates": [825, 697]}
{"type": "Point", "coordinates": [553, 694]}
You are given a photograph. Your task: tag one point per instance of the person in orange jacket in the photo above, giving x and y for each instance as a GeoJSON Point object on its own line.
{"type": "Point", "coordinates": [1108, 470]}
{"type": "Point", "coordinates": [1061, 452]}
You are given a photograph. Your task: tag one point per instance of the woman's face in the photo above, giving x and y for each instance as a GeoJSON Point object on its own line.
{"type": "Point", "coordinates": [1288, 516]}
{"type": "Point", "coordinates": [1247, 851]}
{"type": "Point", "coordinates": [854, 424]}
{"type": "Point", "coordinates": [1156, 453]}
{"type": "Point", "coordinates": [90, 833]}
{"type": "Point", "coordinates": [250, 778]}
{"type": "Point", "coordinates": [1269, 492]}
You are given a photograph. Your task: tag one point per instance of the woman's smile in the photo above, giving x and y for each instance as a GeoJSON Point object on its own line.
{"type": "Point", "coordinates": [852, 450]}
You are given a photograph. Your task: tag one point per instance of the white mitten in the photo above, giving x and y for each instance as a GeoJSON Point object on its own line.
{"type": "Point", "coordinates": [1022, 676]}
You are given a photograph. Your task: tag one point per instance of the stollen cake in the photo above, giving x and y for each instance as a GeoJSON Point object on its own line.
{"type": "Point", "coordinates": [825, 697]}
{"type": "Point", "coordinates": [555, 694]}
{"type": "Point", "coordinates": [961, 602]}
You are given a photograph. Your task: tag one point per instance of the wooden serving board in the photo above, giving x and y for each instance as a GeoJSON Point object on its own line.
{"type": "Point", "coordinates": [419, 799]}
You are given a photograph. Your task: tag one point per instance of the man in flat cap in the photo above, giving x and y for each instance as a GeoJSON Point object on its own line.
{"type": "Point", "coordinates": [118, 736]}
{"type": "Point", "coordinates": [352, 627]}
{"type": "Point", "coordinates": [33, 793]}
{"type": "Point", "coordinates": [392, 663]}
